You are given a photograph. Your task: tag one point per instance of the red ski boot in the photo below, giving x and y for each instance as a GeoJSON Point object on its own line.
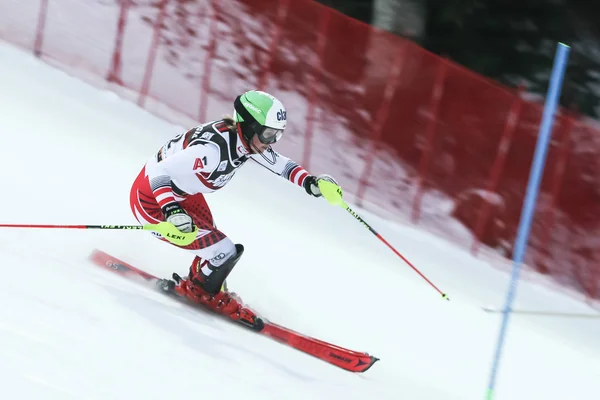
{"type": "Point", "coordinates": [204, 289]}
{"type": "Point", "coordinates": [221, 302]}
{"type": "Point", "coordinates": [224, 302]}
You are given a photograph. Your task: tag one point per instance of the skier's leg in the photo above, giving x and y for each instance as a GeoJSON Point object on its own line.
{"type": "Point", "coordinates": [210, 242]}
{"type": "Point", "coordinates": [143, 204]}
{"type": "Point", "coordinates": [211, 275]}
{"type": "Point", "coordinates": [215, 254]}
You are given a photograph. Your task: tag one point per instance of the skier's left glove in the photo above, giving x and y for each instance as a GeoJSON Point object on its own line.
{"type": "Point", "coordinates": [178, 217]}
{"type": "Point", "coordinates": [312, 183]}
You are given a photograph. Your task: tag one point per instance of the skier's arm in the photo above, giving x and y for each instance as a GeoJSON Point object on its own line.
{"type": "Point", "coordinates": [164, 175]}
{"type": "Point", "coordinates": [282, 166]}
{"type": "Point", "coordinates": [291, 171]}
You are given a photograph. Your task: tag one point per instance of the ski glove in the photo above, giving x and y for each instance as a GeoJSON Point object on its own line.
{"type": "Point", "coordinates": [311, 185]}
{"type": "Point", "coordinates": [178, 217]}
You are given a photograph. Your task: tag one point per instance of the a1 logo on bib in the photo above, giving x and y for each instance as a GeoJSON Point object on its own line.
{"type": "Point", "coordinates": [281, 115]}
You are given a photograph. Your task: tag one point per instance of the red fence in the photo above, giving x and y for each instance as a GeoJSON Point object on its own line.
{"type": "Point", "coordinates": [406, 132]}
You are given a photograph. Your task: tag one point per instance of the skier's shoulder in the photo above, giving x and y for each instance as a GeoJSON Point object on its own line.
{"type": "Point", "coordinates": [214, 132]}
{"type": "Point", "coordinates": [212, 140]}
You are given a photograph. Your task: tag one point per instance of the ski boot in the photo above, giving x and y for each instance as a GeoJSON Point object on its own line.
{"type": "Point", "coordinates": [211, 290]}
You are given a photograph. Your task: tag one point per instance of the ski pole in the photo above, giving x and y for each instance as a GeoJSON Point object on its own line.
{"type": "Point", "coordinates": [540, 313]}
{"type": "Point", "coordinates": [166, 229]}
{"type": "Point", "coordinates": [333, 194]}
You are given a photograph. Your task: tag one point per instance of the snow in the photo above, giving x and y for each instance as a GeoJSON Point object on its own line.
{"type": "Point", "coordinates": [69, 330]}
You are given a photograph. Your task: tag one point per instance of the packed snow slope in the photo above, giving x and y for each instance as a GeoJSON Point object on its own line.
{"type": "Point", "coordinates": [69, 330]}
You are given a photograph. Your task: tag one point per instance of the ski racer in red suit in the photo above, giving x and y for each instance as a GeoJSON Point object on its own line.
{"type": "Point", "coordinates": [172, 184]}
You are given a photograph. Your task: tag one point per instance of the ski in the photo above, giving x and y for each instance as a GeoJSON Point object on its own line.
{"type": "Point", "coordinates": [346, 359]}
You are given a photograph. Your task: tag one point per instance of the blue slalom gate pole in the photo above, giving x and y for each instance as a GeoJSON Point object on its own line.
{"type": "Point", "coordinates": [533, 186]}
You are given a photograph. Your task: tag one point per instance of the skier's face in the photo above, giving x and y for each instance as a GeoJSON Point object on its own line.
{"type": "Point", "coordinates": [257, 146]}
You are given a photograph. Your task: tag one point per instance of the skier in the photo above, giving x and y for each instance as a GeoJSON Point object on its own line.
{"type": "Point", "coordinates": [172, 184]}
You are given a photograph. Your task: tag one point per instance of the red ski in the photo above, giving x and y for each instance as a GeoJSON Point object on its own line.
{"type": "Point", "coordinates": [346, 359]}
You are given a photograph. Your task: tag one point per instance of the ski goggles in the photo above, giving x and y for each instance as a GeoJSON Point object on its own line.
{"type": "Point", "coordinates": [269, 135]}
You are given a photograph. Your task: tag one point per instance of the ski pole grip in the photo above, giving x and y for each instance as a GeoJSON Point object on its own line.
{"type": "Point", "coordinates": [332, 192]}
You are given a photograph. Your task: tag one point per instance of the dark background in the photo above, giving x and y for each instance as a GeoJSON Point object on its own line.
{"type": "Point", "coordinates": [511, 41]}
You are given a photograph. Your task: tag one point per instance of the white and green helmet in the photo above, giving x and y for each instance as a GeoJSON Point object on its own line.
{"type": "Point", "coordinates": [260, 113]}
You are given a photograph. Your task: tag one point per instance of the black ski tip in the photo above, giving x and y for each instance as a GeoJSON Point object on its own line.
{"type": "Point", "coordinates": [373, 361]}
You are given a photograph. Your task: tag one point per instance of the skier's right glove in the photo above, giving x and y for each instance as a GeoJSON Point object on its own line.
{"type": "Point", "coordinates": [332, 193]}
{"type": "Point", "coordinates": [177, 216]}
{"type": "Point", "coordinates": [311, 184]}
